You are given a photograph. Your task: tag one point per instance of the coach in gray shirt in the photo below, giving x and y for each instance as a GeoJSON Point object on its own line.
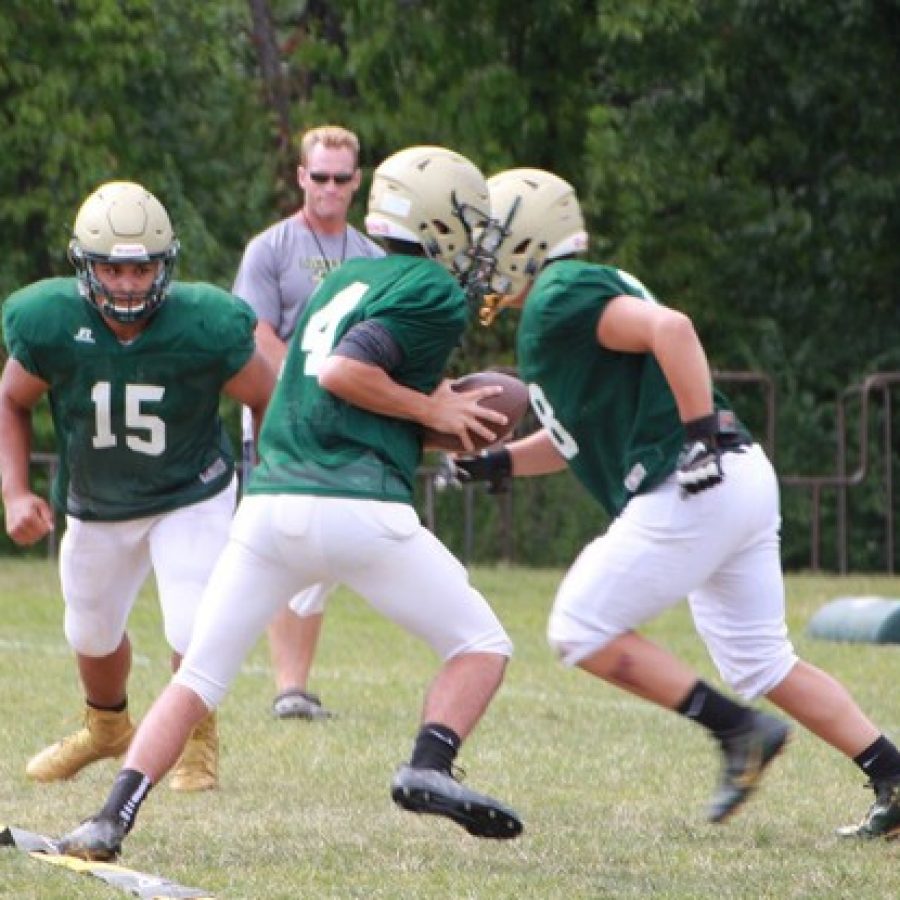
{"type": "Point", "coordinates": [280, 269]}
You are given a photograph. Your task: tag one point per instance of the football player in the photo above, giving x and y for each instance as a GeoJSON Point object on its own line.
{"type": "Point", "coordinates": [622, 388]}
{"type": "Point", "coordinates": [331, 498]}
{"type": "Point", "coordinates": [133, 365]}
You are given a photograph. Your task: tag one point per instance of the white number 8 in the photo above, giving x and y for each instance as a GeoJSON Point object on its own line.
{"type": "Point", "coordinates": [562, 440]}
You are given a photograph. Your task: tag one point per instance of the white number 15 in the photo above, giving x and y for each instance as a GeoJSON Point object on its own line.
{"type": "Point", "coordinates": [135, 420]}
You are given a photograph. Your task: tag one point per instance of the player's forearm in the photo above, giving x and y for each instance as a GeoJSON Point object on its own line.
{"type": "Point", "coordinates": [534, 455]}
{"type": "Point", "coordinates": [15, 450]}
{"type": "Point", "coordinates": [253, 387]}
{"type": "Point", "coordinates": [257, 413]}
{"type": "Point", "coordinates": [371, 388]}
{"type": "Point", "coordinates": [683, 361]}
{"type": "Point", "coordinates": [272, 347]}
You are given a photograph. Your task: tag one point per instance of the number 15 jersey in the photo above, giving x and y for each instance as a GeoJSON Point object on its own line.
{"type": "Point", "coordinates": [137, 424]}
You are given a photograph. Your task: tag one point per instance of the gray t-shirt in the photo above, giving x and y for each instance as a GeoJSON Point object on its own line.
{"type": "Point", "coordinates": [283, 265]}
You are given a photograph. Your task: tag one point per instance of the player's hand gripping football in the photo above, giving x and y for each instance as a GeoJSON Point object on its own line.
{"type": "Point", "coordinates": [699, 463]}
{"type": "Point", "coordinates": [462, 417]}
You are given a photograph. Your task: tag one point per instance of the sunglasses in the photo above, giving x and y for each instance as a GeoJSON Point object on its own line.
{"type": "Point", "coordinates": [325, 177]}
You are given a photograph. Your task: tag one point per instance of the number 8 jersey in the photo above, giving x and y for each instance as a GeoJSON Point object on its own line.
{"type": "Point", "coordinates": [612, 415]}
{"type": "Point", "coordinates": [137, 423]}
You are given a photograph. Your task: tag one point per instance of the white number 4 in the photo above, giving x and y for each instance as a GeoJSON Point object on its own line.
{"type": "Point", "coordinates": [154, 443]}
{"type": "Point", "coordinates": [318, 336]}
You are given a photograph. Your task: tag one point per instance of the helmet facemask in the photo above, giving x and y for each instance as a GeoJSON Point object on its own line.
{"type": "Point", "coordinates": [123, 223]}
{"type": "Point", "coordinates": [123, 307]}
{"type": "Point", "coordinates": [490, 288]}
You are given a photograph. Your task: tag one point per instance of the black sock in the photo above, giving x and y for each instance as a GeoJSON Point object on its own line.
{"type": "Point", "coordinates": [435, 748]}
{"type": "Point", "coordinates": [119, 707]}
{"type": "Point", "coordinates": [880, 760]}
{"type": "Point", "coordinates": [125, 799]}
{"type": "Point", "coordinates": [712, 710]}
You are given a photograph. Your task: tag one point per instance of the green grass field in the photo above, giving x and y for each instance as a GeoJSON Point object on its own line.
{"type": "Point", "coordinates": [612, 791]}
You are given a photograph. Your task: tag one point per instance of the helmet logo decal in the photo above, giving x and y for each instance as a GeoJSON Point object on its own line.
{"type": "Point", "coordinates": [395, 205]}
{"type": "Point", "coordinates": [130, 251]}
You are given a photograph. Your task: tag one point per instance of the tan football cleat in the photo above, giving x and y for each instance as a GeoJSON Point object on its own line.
{"type": "Point", "coordinates": [198, 768]}
{"type": "Point", "coordinates": [105, 735]}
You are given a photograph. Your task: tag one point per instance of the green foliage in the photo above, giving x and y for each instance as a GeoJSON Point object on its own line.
{"type": "Point", "coordinates": [760, 211]}
{"type": "Point", "coordinates": [156, 92]}
{"type": "Point", "coordinates": [738, 156]}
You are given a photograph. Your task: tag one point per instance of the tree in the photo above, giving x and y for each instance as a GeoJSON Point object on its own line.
{"type": "Point", "coordinates": [154, 92]}
{"type": "Point", "coordinates": [739, 156]}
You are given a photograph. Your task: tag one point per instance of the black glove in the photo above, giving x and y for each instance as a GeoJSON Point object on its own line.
{"type": "Point", "coordinates": [492, 466]}
{"type": "Point", "coordinates": [699, 463]}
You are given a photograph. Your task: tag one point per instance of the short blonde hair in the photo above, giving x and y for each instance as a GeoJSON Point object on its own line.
{"type": "Point", "coordinates": [333, 136]}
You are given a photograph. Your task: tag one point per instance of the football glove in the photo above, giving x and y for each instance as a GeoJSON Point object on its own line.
{"type": "Point", "coordinates": [492, 466]}
{"type": "Point", "coordinates": [699, 464]}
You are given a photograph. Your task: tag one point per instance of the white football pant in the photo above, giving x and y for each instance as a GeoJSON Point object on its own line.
{"type": "Point", "coordinates": [719, 548]}
{"type": "Point", "coordinates": [282, 544]}
{"type": "Point", "coordinates": [103, 565]}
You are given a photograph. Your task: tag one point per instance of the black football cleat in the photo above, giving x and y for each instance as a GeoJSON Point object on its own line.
{"type": "Point", "coordinates": [747, 753]}
{"type": "Point", "coordinates": [96, 839]}
{"type": "Point", "coordinates": [440, 794]}
{"type": "Point", "coordinates": [883, 818]}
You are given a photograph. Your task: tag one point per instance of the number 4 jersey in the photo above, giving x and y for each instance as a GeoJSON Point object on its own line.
{"type": "Point", "coordinates": [137, 424]}
{"type": "Point", "coordinates": [315, 443]}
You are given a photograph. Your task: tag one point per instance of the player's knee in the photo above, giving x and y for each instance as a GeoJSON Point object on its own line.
{"type": "Point", "coordinates": [178, 636]}
{"type": "Point", "coordinates": [571, 651]}
{"type": "Point", "coordinates": [572, 640]}
{"type": "Point", "coordinates": [92, 635]}
{"type": "Point", "coordinates": [496, 642]}
{"type": "Point", "coordinates": [562, 649]}
{"type": "Point", "coordinates": [755, 680]}
{"type": "Point", "coordinates": [310, 602]}
{"type": "Point", "coordinates": [177, 629]}
{"type": "Point", "coordinates": [179, 608]}
{"type": "Point", "coordinates": [210, 691]}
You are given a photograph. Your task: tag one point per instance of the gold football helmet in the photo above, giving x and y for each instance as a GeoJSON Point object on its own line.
{"type": "Point", "coordinates": [433, 197]}
{"type": "Point", "coordinates": [539, 219]}
{"type": "Point", "coordinates": [122, 222]}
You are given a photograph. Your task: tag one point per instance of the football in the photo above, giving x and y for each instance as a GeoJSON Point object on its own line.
{"type": "Point", "coordinates": [512, 402]}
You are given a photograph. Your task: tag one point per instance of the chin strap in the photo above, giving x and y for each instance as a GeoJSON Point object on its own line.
{"type": "Point", "coordinates": [491, 307]}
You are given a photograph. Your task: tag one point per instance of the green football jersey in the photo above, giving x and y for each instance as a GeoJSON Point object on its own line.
{"type": "Point", "coordinates": [137, 424]}
{"type": "Point", "coordinates": [315, 443]}
{"type": "Point", "coordinates": [611, 414]}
